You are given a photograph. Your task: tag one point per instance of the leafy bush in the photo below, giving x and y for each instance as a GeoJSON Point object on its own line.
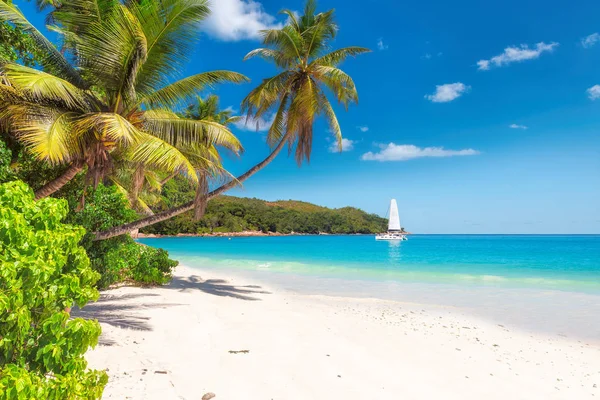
{"type": "Point", "coordinates": [5, 156]}
{"type": "Point", "coordinates": [155, 266]}
{"type": "Point", "coordinates": [43, 272]}
{"type": "Point", "coordinates": [119, 259]}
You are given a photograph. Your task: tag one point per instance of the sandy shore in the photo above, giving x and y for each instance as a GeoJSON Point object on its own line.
{"type": "Point", "coordinates": [239, 340]}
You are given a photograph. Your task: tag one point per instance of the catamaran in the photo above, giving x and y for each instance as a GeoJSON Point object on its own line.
{"type": "Point", "coordinates": [394, 230]}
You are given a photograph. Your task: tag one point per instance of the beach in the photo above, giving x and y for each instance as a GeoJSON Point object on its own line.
{"type": "Point", "coordinates": [236, 337]}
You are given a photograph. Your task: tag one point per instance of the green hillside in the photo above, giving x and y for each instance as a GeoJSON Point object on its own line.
{"type": "Point", "coordinates": [236, 214]}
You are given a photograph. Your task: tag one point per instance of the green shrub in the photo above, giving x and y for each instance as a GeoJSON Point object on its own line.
{"type": "Point", "coordinates": [119, 259]}
{"type": "Point", "coordinates": [5, 157]}
{"type": "Point", "coordinates": [43, 272]}
{"type": "Point", "coordinates": [155, 266]}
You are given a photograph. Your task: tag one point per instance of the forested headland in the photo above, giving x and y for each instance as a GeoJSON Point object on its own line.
{"type": "Point", "coordinates": [237, 214]}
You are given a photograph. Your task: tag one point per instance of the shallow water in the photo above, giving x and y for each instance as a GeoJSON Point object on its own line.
{"type": "Point", "coordinates": [545, 283]}
{"type": "Point", "coordinates": [569, 263]}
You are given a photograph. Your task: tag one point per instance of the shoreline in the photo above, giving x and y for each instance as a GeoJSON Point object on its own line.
{"type": "Point", "coordinates": [244, 234]}
{"type": "Point", "coordinates": [189, 338]}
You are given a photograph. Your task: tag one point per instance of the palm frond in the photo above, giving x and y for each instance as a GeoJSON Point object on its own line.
{"type": "Point", "coordinates": [155, 152]}
{"type": "Point", "coordinates": [332, 120]}
{"type": "Point", "coordinates": [338, 56]}
{"type": "Point", "coordinates": [319, 31]}
{"type": "Point", "coordinates": [180, 91]}
{"type": "Point", "coordinates": [292, 18]}
{"type": "Point", "coordinates": [110, 128]}
{"type": "Point", "coordinates": [340, 83]}
{"type": "Point", "coordinates": [181, 131]}
{"type": "Point", "coordinates": [265, 95]}
{"type": "Point", "coordinates": [133, 62]}
{"type": "Point", "coordinates": [74, 16]}
{"type": "Point", "coordinates": [303, 109]}
{"type": "Point", "coordinates": [49, 135]}
{"type": "Point", "coordinates": [53, 59]}
{"type": "Point", "coordinates": [45, 88]}
{"type": "Point", "coordinates": [287, 40]}
{"type": "Point", "coordinates": [279, 126]}
{"type": "Point", "coordinates": [171, 28]}
{"type": "Point", "coordinates": [280, 59]}
{"type": "Point", "coordinates": [111, 52]}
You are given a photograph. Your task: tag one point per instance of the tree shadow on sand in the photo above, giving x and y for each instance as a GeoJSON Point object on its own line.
{"type": "Point", "coordinates": [111, 309]}
{"type": "Point", "coordinates": [216, 287]}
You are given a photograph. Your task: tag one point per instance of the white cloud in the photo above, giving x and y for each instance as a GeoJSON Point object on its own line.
{"type": "Point", "coordinates": [594, 92]}
{"type": "Point", "coordinates": [363, 128]}
{"type": "Point", "coordinates": [516, 54]}
{"type": "Point", "coordinates": [448, 92]}
{"type": "Point", "coordinates": [516, 126]}
{"type": "Point", "coordinates": [347, 145]}
{"type": "Point", "coordinates": [233, 20]}
{"type": "Point", "coordinates": [261, 124]}
{"type": "Point", "coordinates": [590, 40]}
{"type": "Point", "coordinates": [381, 45]}
{"type": "Point", "coordinates": [404, 152]}
{"type": "Point", "coordinates": [427, 56]}
{"type": "Point", "coordinates": [483, 65]}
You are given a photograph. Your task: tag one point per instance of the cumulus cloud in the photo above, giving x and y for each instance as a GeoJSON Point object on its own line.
{"type": "Point", "coordinates": [363, 128]}
{"type": "Point", "coordinates": [516, 54]}
{"type": "Point", "coordinates": [260, 124]}
{"type": "Point", "coordinates": [233, 20]}
{"type": "Point", "coordinates": [590, 40]}
{"type": "Point", "coordinates": [448, 92]}
{"type": "Point", "coordinates": [404, 152]}
{"type": "Point", "coordinates": [516, 126]}
{"type": "Point", "coordinates": [347, 145]}
{"type": "Point", "coordinates": [381, 45]}
{"type": "Point", "coordinates": [594, 92]}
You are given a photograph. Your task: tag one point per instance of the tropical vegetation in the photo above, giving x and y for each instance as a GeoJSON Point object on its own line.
{"type": "Point", "coordinates": [234, 214]}
{"type": "Point", "coordinates": [296, 96]}
{"type": "Point", "coordinates": [43, 273]}
{"type": "Point", "coordinates": [101, 120]}
{"type": "Point", "coordinates": [105, 101]}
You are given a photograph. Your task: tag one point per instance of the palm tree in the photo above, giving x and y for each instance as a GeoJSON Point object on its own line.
{"type": "Point", "coordinates": [107, 97]}
{"type": "Point", "coordinates": [142, 185]}
{"type": "Point", "coordinates": [208, 110]}
{"type": "Point", "coordinates": [296, 94]}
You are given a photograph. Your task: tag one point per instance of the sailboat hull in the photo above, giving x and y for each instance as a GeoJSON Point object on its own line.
{"type": "Point", "coordinates": [390, 236]}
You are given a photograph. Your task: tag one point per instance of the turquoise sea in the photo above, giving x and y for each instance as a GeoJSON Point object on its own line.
{"type": "Point", "coordinates": [562, 262]}
{"type": "Point", "coordinates": [541, 283]}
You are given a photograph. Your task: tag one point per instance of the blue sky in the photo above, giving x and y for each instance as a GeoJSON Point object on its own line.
{"type": "Point", "coordinates": [477, 118]}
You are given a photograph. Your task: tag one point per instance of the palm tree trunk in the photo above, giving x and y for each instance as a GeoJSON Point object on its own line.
{"type": "Point", "coordinates": [165, 215]}
{"type": "Point", "coordinates": [168, 178]}
{"type": "Point", "coordinates": [59, 182]}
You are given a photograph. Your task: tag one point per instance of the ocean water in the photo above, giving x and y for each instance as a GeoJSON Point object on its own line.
{"type": "Point", "coordinates": [559, 262]}
{"type": "Point", "coordinates": [547, 284]}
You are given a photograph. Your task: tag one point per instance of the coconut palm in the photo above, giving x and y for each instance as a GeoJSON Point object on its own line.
{"type": "Point", "coordinates": [107, 97]}
{"type": "Point", "coordinates": [296, 96]}
{"type": "Point", "coordinates": [208, 109]}
{"type": "Point", "coordinates": [142, 185]}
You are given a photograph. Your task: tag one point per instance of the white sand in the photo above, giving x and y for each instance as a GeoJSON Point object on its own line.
{"type": "Point", "coordinates": [174, 343]}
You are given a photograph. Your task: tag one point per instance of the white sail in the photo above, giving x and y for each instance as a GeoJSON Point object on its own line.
{"type": "Point", "coordinates": [394, 223]}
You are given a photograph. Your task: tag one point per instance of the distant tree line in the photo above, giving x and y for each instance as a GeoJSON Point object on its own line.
{"type": "Point", "coordinates": [234, 214]}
